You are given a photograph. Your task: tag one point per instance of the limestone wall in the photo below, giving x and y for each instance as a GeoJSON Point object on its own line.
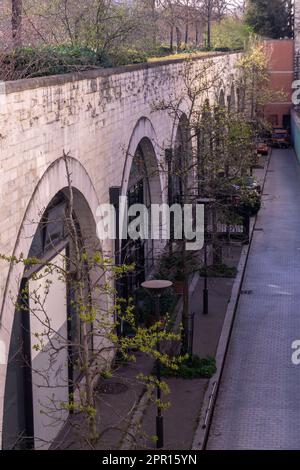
{"type": "Point", "coordinates": [99, 118]}
{"type": "Point", "coordinates": [92, 116]}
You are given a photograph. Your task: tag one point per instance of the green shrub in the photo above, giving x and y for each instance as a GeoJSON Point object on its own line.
{"type": "Point", "coordinates": [230, 34]}
{"type": "Point", "coordinates": [222, 49]}
{"type": "Point", "coordinates": [160, 51]}
{"type": "Point", "coordinates": [192, 368]}
{"type": "Point", "coordinates": [124, 56]}
{"type": "Point", "coordinates": [144, 305]}
{"type": "Point", "coordinates": [51, 60]}
{"type": "Point", "coordinates": [221, 271]}
{"type": "Point", "coordinates": [172, 266]}
{"type": "Point", "coordinates": [249, 203]}
{"type": "Point", "coordinates": [29, 62]}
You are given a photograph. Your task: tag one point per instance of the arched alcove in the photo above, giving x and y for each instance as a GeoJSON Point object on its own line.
{"type": "Point", "coordinates": [144, 137]}
{"type": "Point", "coordinates": [204, 142]}
{"type": "Point", "coordinates": [182, 161]}
{"type": "Point", "coordinates": [231, 99]}
{"type": "Point", "coordinates": [42, 235]}
{"type": "Point", "coordinates": [221, 100]}
{"type": "Point", "coordinates": [142, 184]}
{"type": "Point", "coordinates": [143, 188]}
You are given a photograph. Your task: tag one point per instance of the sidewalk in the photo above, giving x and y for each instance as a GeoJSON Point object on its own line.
{"type": "Point", "coordinates": [258, 402]}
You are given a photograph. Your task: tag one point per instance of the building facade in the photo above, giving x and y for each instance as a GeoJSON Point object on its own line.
{"type": "Point", "coordinates": [281, 69]}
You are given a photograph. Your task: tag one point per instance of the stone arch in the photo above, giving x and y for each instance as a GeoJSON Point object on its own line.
{"type": "Point", "coordinates": [221, 99]}
{"type": "Point", "coordinates": [231, 99]}
{"type": "Point", "coordinates": [240, 98]}
{"type": "Point", "coordinates": [183, 134]}
{"type": "Point", "coordinates": [204, 138]}
{"type": "Point", "coordinates": [183, 154]}
{"type": "Point", "coordinates": [52, 182]}
{"type": "Point", "coordinates": [144, 136]}
{"type": "Point", "coordinates": [142, 183]}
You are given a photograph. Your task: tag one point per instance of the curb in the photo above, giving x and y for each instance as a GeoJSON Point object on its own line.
{"type": "Point", "coordinates": [206, 414]}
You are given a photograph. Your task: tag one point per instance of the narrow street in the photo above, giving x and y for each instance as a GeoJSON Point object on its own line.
{"type": "Point", "coordinates": [258, 405]}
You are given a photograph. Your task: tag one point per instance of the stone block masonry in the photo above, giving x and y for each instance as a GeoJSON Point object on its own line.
{"type": "Point", "coordinates": [98, 117]}
{"type": "Point", "coordinates": [90, 115]}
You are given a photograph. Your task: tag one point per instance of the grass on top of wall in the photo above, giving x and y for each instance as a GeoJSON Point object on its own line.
{"type": "Point", "coordinates": [181, 55]}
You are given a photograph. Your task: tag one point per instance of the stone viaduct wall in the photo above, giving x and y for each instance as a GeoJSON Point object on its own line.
{"type": "Point", "coordinates": [99, 117]}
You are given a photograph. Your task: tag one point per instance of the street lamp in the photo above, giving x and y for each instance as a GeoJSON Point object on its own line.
{"type": "Point", "coordinates": [205, 288]}
{"type": "Point", "coordinates": [156, 288]}
{"type": "Point", "coordinates": [205, 202]}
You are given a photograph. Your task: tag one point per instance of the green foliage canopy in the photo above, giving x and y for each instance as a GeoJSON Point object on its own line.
{"type": "Point", "coordinates": [272, 19]}
{"type": "Point", "coordinates": [231, 33]}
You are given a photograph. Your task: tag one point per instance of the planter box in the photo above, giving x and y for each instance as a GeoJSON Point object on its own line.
{"type": "Point", "coordinates": [179, 287]}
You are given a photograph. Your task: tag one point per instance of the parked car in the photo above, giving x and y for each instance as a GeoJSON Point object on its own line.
{"type": "Point", "coordinates": [280, 138]}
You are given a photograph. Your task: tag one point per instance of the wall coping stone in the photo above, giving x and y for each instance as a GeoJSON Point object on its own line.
{"type": "Point", "coordinates": [15, 86]}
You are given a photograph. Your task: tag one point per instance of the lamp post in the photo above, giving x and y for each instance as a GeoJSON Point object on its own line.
{"type": "Point", "coordinates": [205, 289]}
{"type": "Point", "coordinates": [156, 288]}
{"type": "Point", "coordinates": [205, 202]}
{"type": "Point", "coordinates": [169, 157]}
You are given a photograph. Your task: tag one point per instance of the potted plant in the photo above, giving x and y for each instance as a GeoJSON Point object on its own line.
{"type": "Point", "coordinates": [249, 203]}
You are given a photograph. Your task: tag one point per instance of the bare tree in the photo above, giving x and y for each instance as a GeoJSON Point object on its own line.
{"type": "Point", "coordinates": [94, 310]}
{"type": "Point", "coordinates": [215, 155]}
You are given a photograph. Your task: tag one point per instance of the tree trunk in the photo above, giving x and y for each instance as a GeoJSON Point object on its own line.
{"type": "Point", "coordinates": [16, 22]}
{"type": "Point", "coordinates": [186, 303]}
{"type": "Point", "coordinates": [209, 24]}
{"type": "Point", "coordinates": [186, 38]}
{"type": "Point", "coordinates": [217, 244]}
{"type": "Point", "coordinates": [172, 38]}
{"type": "Point", "coordinates": [154, 32]}
{"type": "Point", "coordinates": [197, 34]}
{"type": "Point", "coordinates": [178, 36]}
{"type": "Point", "coordinates": [85, 366]}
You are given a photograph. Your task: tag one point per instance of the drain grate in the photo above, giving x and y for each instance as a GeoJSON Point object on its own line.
{"type": "Point", "coordinates": [246, 292]}
{"type": "Point", "coordinates": [258, 229]}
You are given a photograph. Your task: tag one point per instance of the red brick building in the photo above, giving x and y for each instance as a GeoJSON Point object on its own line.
{"type": "Point", "coordinates": [281, 66]}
